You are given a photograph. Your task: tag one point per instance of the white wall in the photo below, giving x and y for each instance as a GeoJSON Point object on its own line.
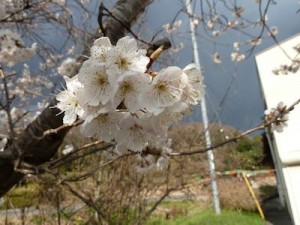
{"type": "Point", "coordinates": [285, 145]}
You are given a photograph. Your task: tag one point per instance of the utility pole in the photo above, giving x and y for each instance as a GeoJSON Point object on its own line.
{"type": "Point", "coordinates": [210, 155]}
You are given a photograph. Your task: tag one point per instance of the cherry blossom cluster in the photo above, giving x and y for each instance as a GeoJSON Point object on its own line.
{"type": "Point", "coordinates": [13, 49]}
{"type": "Point", "coordinates": [27, 86]}
{"type": "Point", "coordinates": [293, 67]}
{"type": "Point", "coordinates": [237, 57]}
{"type": "Point", "coordinates": [68, 67]}
{"type": "Point", "coordinates": [287, 69]}
{"type": "Point", "coordinates": [169, 28]}
{"type": "Point", "coordinates": [120, 100]}
{"type": "Point", "coordinates": [278, 117]}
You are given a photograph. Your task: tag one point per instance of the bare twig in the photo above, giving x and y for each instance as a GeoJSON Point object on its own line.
{"type": "Point", "coordinates": [203, 150]}
{"type": "Point", "coordinates": [100, 16]}
{"type": "Point", "coordinates": [56, 130]}
{"type": "Point", "coordinates": [92, 171]}
{"type": "Point", "coordinates": [87, 201]}
{"type": "Point", "coordinates": [76, 154]}
{"type": "Point", "coordinates": [259, 127]}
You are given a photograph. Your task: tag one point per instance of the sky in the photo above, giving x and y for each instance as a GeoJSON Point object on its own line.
{"type": "Point", "coordinates": [232, 90]}
{"type": "Point", "coordinates": [242, 107]}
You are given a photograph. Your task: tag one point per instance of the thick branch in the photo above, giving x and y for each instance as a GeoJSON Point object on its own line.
{"type": "Point", "coordinates": [125, 11]}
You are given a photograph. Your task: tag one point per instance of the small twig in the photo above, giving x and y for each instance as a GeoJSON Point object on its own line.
{"type": "Point", "coordinates": [87, 201]}
{"type": "Point", "coordinates": [74, 154]}
{"type": "Point", "coordinates": [155, 49]}
{"type": "Point", "coordinates": [92, 171]}
{"type": "Point", "coordinates": [25, 7]}
{"type": "Point", "coordinates": [100, 15]}
{"type": "Point", "coordinates": [259, 127]}
{"type": "Point", "coordinates": [166, 194]}
{"type": "Point", "coordinates": [20, 117]}
{"type": "Point", "coordinates": [26, 168]}
{"type": "Point", "coordinates": [56, 130]}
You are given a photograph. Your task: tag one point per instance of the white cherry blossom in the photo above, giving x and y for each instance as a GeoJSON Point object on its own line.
{"type": "Point", "coordinates": [216, 58]}
{"type": "Point", "coordinates": [231, 24]}
{"type": "Point", "coordinates": [128, 89]}
{"type": "Point", "coordinates": [210, 24]}
{"type": "Point", "coordinates": [68, 101]}
{"type": "Point", "coordinates": [278, 117]}
{"type": "Point", "coordinates": [67, 68]}
{"type": "Point", "coordinates": [100, 48]}
{"type": "Point", "coordinates": [237, 57]}
{"type": "Point", "coordinates": [161, 123]}
{"type": "Point", "coordinates": [90, 112]}
{"type": "Point", "coordinates": [165, 90]}
{"type": "Point", "coordinates": [255, 41]}
{"type": "Point", "coordinates": [273, 31]}
{"type": "Point", "coordinates": [117, 74]}
{"type": "Point", "coordinates": [194, 90]}
{"type": "Point", "coordinates": [97, 86]}
{"type": "Point", "coordinates": [125, 58]}
{"type": "Point", "coordinates": [104, 127]}
{"type": "Point", "coordinates": [216, 33]}
{"type": "Point", "coordinates": [68, 149]}
{"type": "Point", "coordinates": [169, 28]}
{"type": "Point", "coordinates": [134, 133]}
{"type": "Point", "coordinates": [13, 49]}
{"type": "Point", "coordinates": [236, 46]}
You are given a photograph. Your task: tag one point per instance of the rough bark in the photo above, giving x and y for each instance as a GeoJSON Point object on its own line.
{"type": "Point", "coordinates": [31, 145]}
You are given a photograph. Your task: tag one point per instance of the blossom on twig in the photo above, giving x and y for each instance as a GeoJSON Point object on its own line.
{"type": "Point", "coordinates": [278, 117]}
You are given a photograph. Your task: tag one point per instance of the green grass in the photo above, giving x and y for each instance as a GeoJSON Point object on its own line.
{"type": "Point", "coordinates": [190, 205]}
{"type": "Point", "coordinates": [209, 218]}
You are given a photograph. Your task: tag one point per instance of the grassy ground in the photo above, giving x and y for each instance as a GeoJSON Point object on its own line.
{"type": "Point", "coordinates": [209, 218]}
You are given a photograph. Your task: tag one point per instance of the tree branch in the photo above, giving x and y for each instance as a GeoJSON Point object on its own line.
{"type": "Point", "coordinates": [259, 127]}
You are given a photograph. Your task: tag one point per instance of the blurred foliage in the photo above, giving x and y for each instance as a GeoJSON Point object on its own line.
{"type": "Point", "coordinates": [249, 153]}
{"type": "Point", "coordinates": [267, 191]}
{"type": "Point", "coordinates": [21, 197]}
{"type": "Point", "coordinates": [38, 220]}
